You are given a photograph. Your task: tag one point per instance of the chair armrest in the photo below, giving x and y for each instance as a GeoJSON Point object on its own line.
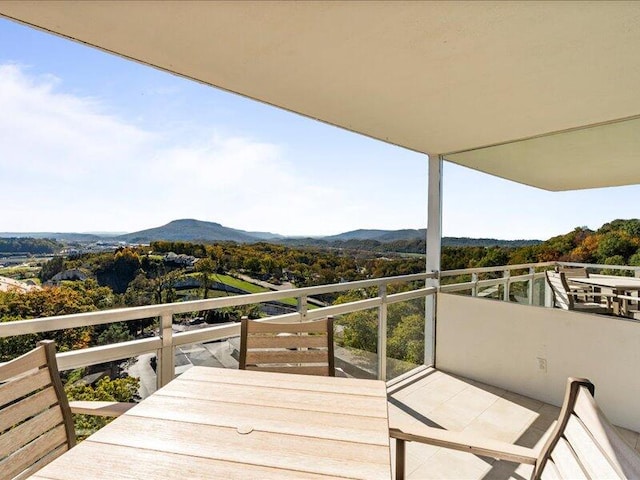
{"type": "Point", "coordinates": [468, 443]}
{"type": "Point", "coordinates": [100, 409]}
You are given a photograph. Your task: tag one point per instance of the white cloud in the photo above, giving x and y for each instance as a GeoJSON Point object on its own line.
{"type": "Point", "coordinates": [67, 164]}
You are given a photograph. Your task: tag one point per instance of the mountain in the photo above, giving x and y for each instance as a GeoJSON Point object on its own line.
{"type": "Point", "coordinates": [59, 236]}
{"type": "Point", "coordinates": [486, 242]}
{"type": "Point", "coordinates": [197, 230]}
{"type": "Point", "coordinates": [188, 230]}
{"type": "Point", "coordinates": [379, 235]}
{"type": "Point", "coordinates": [266, 235]}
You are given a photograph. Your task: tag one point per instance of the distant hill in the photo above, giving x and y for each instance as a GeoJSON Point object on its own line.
{"type": "Point", "coordinates": [189, 230]}
{"type": "Point", "coordinates": [58, 236]}
{"type": "Point", "coordinates": [486, 242]}
{"type": "Point", "coordinates": [387, 236]}
{"type": "Point", "coordinates": [379, 235]}
{"type": "Point", "coordinates": [265, 235]}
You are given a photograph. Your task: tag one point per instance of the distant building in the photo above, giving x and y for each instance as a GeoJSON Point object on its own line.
{"type": "Point", "coordinates": [181, 259]}
{"type": "Point", "coordinates": [71, 275]}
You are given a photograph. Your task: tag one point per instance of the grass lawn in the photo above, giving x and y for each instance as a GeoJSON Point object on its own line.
{"type": "Point", "coordinates": [248, 287]}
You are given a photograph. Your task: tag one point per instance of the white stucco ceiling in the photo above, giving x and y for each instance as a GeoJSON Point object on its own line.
{"type": "Point", "coordinates": [463, 79]}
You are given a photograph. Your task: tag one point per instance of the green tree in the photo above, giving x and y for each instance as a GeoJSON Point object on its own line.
{"type": "Point", "coordinates": [117, 390]}
{"type": "Point", "coordinates": [206, 267]}
{"type": "Point", "coordinates": [51, 268]}
{"type": "Point", "coordinates": [361, 330]}
{"type": "Point", "coordinates": [407, 340]}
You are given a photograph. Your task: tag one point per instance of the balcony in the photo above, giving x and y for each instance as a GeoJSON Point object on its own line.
{"type": "Point", "coordinates": [501, 357]}
{"type": "Point", "coordinates": [518, 91]}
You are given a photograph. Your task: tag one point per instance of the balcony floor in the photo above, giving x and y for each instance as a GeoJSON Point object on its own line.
{"type": "Point", "coordinates": [446, 401]}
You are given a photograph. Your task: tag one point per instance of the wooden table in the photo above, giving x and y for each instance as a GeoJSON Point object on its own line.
{"type": "Point", "coordinates": [221, 423]}
{"type": "Point", "coordinates": [618, 285]}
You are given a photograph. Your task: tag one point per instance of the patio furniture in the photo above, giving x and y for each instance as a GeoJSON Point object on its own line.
{"type": "Point", "coordinates": [565, 298]}
{"type": "Point", "coordinates": [575, 272]}
{"type": "Point", "coordinates": [36, 425]}
{"type": "Point", "coordinates": [583, 443]}
{"type": "Point", "coordinates": [305, 347]}
{"type": "Point", "coordinates": [227, 423]}
{"type": "Point", "coordinates": [620, 286]}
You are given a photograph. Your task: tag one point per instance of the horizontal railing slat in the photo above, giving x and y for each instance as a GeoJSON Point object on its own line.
{"type": "Point", "coordinates": [107, 353]}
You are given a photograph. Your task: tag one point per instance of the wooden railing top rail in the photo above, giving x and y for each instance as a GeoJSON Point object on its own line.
{"type": "Point", "coordinates": [501, 268]}
{"type": "Point", "coordinates": [22, 327]}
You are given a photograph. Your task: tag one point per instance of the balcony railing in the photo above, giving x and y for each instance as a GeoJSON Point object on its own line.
{"type": "Point", "coordinates": [166, 340]}
{"type": "Point", "coordinates": [522, 283]}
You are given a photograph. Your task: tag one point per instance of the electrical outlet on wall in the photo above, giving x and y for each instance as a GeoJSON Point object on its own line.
{"type": "Point", "coordinates": [542, 364]}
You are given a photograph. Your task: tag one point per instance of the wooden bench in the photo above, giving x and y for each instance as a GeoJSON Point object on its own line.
{"type": "Point", "coordinates": [583, 444]}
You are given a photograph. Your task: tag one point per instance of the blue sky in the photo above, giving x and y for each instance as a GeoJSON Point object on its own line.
{"type": "Point", "coordinates": [93, 142]}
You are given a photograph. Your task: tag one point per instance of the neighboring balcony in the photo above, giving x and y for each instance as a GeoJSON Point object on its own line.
{"type": "Point", "coordinates": [501, 356]}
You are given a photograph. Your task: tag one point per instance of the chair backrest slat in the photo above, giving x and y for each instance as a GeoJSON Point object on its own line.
{"type": "Point", "coordinates": [304, 347]}
{"type": "Point", "coordinates": [27, 407]}
{"type": "Point", "coordinates": [574, 272]}
{"type": "Point", "coordinates": [550, 471]}
{"type": "Point", "coordinates": [286, 356]}
{"type": "Point", "coordinates": [24, 385]}
{"type": "Point", "coordinates": [26, 456]}
{"type": "Point", "coordinates": [48, 458]}
{"type": "Point", "coordinates": [558, 284]}
{"type": "Point", "coordinates": [584, 444]}
{"type": "Point", "coordinates": [36, 358]}
{"type": "Point", "coordinates": [623, 458]}
{"type": "Point", "coordinates": [35, 419]}
{"type": "Point", "coordinates": [300, 370]}
{"type": "Point", "coordinates": [590, 454]}
{"type": "Point", "coordinates": [289, 341]}
{"type": "Point", "coordinates": [29, 430]}
{"type": "Point", "coordinates": [566, 462]}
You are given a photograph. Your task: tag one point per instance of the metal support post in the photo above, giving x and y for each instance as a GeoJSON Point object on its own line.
{"type": "Point", "coordinates": [507, 285]}
{"type": "Point", "coordinates": [302, 307]}
{"type": "Point", "coordinates": [434, 246]}
{"type": "Point", "coordinates": [532, 272]}
{"type": "Point", "coordinates": [165, 369]}
{"type": "Point", "coordinates": [382, 334]}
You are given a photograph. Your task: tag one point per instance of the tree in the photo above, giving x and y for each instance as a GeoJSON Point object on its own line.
{"type": "Point", "coordinates": [107, 390]}
{"type": "Point", "coordinates": [206, 267]}
{"type": "Point", "coordinates": [51, 268]}
{"type": "Point", "coordinates": [77, 297]}
{"type": "Point", "coordinates": [361, 330]}
{"type": "Point", "coordinates": [407, 340]}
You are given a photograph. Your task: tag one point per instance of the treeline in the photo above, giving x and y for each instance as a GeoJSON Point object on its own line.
{"type": "Point", "coordinates": [29, 245]}
{"type": "Point", "coordinates": [615, 243]}
{"type": "Point", "coordinates": [413, 245]}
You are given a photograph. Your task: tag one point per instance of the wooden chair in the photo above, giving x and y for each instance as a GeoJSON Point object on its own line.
{"type": "Point", "coordinates": [565, 298]}
{"type": "Point", "coordinates": [305, 347]}
{"type": "Point", "coordinates": [577, 272]}
{"type": "Point", "coordinates": [582, 445]}
{"type": "Point", "coordinates": [36, 425]}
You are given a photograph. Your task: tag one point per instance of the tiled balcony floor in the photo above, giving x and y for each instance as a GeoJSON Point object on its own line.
{"type": "Point", "coordinates": [458, 404]}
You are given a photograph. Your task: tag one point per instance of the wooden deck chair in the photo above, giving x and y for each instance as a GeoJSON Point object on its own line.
{"type": "Point", "coordinates": [576, 272]}
{"type": "Point", "coordinates": [36, 425]}
{"type": "Point", "coordinates": [305, 347]}
{"type": "Point", "coordinates": [565, 298]}
{"type": "Point", "coordinates": [582, 445]}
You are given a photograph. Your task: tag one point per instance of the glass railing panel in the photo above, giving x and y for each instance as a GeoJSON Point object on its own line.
{"type": "Point", "coordinates": [405, 336]}
{"type": "Point", "coordinates": [356, 343]}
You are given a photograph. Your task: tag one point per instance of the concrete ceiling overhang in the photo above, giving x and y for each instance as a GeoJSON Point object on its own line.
{"type": "Point", "coordinates": [542, 93]}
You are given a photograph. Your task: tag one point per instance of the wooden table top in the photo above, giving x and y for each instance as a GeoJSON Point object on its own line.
{"type": "Point", "coordinates": [609, 281]}
{"type": "Point", "coordinates": [223, 423]}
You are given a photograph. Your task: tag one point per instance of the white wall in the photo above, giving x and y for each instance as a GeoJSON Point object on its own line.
{"type": "Point", "coordinates": [508, 345]}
